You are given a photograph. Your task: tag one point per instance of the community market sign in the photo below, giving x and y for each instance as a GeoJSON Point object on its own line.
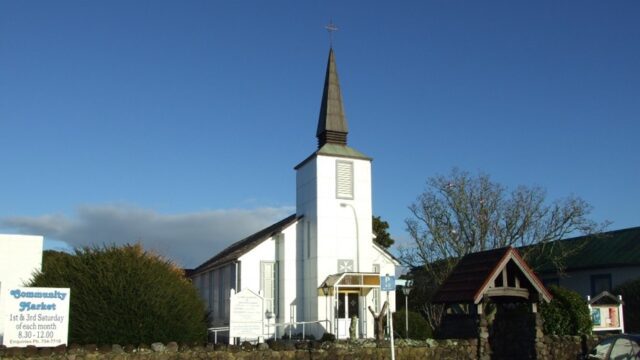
{"type": "Point", "coordinates": [36, 316]}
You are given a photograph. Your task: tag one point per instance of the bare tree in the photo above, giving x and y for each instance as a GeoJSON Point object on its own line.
{"type": "Point", "coordinates": [379, 321]}
{"type": "Point", "coordinates": [459, 214]}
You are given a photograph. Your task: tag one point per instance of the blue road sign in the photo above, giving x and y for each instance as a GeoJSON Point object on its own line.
{"type": "Point", "coordinates": [387, 283]}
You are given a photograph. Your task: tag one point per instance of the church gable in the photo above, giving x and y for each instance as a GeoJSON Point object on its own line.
{"type": "Point", "coordinates": [382, 253]}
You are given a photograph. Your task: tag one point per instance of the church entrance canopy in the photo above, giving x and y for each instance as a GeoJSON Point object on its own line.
{"type": "Point", "coordinates": [348, 293]}
{"type": "Point", "coordinates": [351, 281]}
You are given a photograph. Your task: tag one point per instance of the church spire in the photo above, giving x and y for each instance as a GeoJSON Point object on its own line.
{"type": "Point", "coordinates": [332, 124]}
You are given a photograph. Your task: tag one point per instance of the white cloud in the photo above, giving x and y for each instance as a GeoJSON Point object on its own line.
{"type": "Point", "coordinates": [188, 239]}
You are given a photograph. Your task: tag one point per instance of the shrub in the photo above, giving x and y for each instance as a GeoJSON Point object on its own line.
{"type": "Point", "coordinates": [297, 336]}
{"type": "Point", "coordinates": [328, 337]}
{"type": "Point", "coordinates": [419, 329]}
{"type": "Point", "coordinates": [124, 295]}
{"type": "Point", "coordinates": [566, 314]}
{"type": "Point", "coordinates": [630, 292]}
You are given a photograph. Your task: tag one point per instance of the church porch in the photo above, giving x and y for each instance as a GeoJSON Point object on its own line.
{"type": "Point", "coordinates": [349, 295]}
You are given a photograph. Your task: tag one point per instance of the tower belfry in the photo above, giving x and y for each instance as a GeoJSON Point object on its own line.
{"type": "Point", "coordinates": [332, 123]}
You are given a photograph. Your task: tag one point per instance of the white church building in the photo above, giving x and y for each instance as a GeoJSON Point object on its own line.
{"type": "Point", "coordinates": [321, 263]}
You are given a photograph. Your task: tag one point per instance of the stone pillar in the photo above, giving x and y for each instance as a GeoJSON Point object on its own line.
{"type": "Point", "coordinates": [484, 348]}
{"type": "Point", "coordinates": [541, 350]}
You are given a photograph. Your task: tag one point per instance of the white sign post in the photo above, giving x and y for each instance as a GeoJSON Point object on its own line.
{"type": "Point", "coordinates": [35, 316]}
{"type": "Point", "coordinates": [388, 283]}
{"type": "Point", "coordinates": [246, 317]}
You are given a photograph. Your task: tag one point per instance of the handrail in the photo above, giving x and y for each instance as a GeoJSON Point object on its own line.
{"type": "Point", "coordinates": [327, 324]}
{"type": "Point", "coordinates": [216, 330]}
{"type": "Point", "coordinates": [303, 323]}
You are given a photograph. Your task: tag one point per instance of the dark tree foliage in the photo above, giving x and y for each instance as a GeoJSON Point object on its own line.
{"type": "Point", "coordinates": [419, 329]}
{"type": "Point", "coordinates": [125, 295]}
{"type": "Point", "coordinates": [630, 292]}
{"type": "Point", "coordinates": [380, 230]}
{"type": "Point", "coordinates": [566, 314]}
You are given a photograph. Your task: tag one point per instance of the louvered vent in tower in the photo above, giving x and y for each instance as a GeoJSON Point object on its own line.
{"type": "Point", "coordinates": [344, 179]}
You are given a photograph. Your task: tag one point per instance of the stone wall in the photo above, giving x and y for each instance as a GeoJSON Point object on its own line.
{"type": "Point", "coordinates": [550, 347]}
{"type": "Point", "coordinates": [405, 349]}
{"type": "Point", "coordinates": [564, 347]}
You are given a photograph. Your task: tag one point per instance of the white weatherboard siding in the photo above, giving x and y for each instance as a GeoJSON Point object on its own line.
{"type": "Point", "coordinates": [386, 267]}
{"type": "Point", "coordinates": [337, 226]}
{"type": "Point", "coordinates": [215, 286]}
{"type": "Point", "coordinates": [580, 280]}
{"type": "Point", "coordinates": [288, 274]}
{"type": "Point", "coordinates": [306, 198]}
{"type": "Point", "coordinates": [280, 249]}
{"type": "Point", "coordinates": [250, 262]}
{"type": "Point", "coordinates": [20, 257]}
{"type": "Point", "coordinates": [338, 229]}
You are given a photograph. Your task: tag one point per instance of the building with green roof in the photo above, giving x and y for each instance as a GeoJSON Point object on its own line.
{"type": "Point", "coordinates": [597, 263]}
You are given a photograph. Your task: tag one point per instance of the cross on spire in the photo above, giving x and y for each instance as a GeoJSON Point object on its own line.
{"type": "Point", "coordinates": [331, 27]}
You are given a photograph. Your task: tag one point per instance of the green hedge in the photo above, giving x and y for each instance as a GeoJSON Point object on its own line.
{"type": "Point", "coordinates": [124, 295]}
{"type": "Point", "coordinates": [566, 314]}
{"type": "Point", "coordinates": [418, 327]}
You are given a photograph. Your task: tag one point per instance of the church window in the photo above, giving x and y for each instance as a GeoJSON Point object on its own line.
{"type": "Point", "coordinates": [308, 239]}
{"type": "Point", "coordinates": [213, 291]}
{"type": "Point", "coordinates": [268, 284]}
{"type": "Point", "coordinates": [600, 283]}
{"type": "Point", "coordinates": [220, 290]}
{"type": "Point", "coordinates": [344, 179]}
{"type": "Point", "coordinates": [376, 291]}
{"type": "Point", "coordinates": [226, 285]}
{"type": "Point", "coordinates": [202, 285]}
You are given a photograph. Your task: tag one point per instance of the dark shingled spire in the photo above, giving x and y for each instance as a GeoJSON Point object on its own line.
{"type": "Point", "coordinates": [332, 124]}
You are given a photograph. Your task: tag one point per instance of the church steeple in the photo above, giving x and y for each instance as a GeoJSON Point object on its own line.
{"type": "Point", "coordinates": [332, 124]}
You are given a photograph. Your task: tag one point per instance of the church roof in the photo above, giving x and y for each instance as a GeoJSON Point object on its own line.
{"type": "Point", "coordinates": [335, 150]}
{"type": "Point", "coordinates": [332, 123]}
{"type": "Point", "coordinates": [237, 249]}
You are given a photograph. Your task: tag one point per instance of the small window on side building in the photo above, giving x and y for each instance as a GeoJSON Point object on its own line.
{"type": "Point", "coordinates": [600, 283]}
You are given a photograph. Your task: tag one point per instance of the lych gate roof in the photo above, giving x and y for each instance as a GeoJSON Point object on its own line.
{"type": "Point", "coordinates": [477, 274]}
{"type": "Point", "coordinates": [237, 249]}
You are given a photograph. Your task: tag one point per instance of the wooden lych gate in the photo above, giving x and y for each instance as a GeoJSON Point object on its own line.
{"type": "Point", "coordinates": [494, 295]}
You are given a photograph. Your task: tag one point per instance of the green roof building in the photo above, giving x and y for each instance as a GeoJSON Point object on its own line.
{"type": "Point", "coordinates": [599, 262]}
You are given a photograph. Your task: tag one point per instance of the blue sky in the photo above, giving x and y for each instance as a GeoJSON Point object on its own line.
{"type": "Point", "coordinates": [178, 123]}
